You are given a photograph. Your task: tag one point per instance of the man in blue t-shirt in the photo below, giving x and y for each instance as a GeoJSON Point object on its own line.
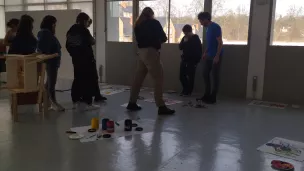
{"type": "Point", "coordinates": [212, 57]}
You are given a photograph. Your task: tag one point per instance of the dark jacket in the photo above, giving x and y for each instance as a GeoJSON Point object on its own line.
{"type": "Point", "coordinates": [49, 44]}
{"type": "Point", "coordinates": [150, 33]}
{"type": "Point", "coordinates": [79, 44]}
{"type": "Point", "coordinates": [23, 45]}
{"type": "Point", "coordinates": [192, 49]}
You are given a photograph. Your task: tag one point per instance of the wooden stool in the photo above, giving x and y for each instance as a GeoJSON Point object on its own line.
{"type": "Point", "coordinates": [25, 82]}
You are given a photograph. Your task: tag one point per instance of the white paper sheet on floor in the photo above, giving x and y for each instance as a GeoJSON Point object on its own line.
{"type": "Point", "coordinates": [147, 125]}
{"type": "Point", "coordinates": [284, 148]}
{"type": "Point", "coordinates": [268, 104]}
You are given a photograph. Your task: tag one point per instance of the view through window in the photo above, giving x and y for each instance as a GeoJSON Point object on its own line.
{"type": "Point", "coordinates": [119, 21]}
{"type": "Point", "coordinates": [182, 13]}
{"type": "Point", "coordinates": [288, 24]}
{"type": "Point", "coordinates": [233, 17]}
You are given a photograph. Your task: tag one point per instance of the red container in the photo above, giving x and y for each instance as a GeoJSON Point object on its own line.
{"type": "Point", "coordinates": [110, 126]}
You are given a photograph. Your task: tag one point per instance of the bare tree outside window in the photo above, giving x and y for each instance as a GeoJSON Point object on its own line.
{"type": "Point", "coordinates": [288, 24]}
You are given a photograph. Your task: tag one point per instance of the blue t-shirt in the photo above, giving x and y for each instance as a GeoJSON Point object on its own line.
{"type": "Point", "coordinates": [213, 32]}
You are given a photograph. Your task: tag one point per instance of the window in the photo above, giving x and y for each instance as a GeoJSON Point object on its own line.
{"type": "Point", "coordinates": [13, 2]}
{"type": "Point", "coordinates": [233, 17]}
{"type": "Point", "coordinates": [35, 8]}
{"type": "Point", "coordinates": [161, 11]}
{"type": "Point", "coordinates": [1, 2]}
{"type": "Point", "coordinates": [288, 23]}
{"type": "Point", "coordinates": [86, 7]}
{"type": "Point", "coordinates": [55, 1]}
{"type": "Point", "coordinates": [2, 22]}
{"type": "Point", "coordinates": [14, 8]}
{"type": "Point", "coordinates": [34, 1]}
{"type": "Point", "coordinates": [56, 7]}
{"type": "Point", "coordinates": [119, 25]}
{"type": "Point", "coordinates": [185, 12]}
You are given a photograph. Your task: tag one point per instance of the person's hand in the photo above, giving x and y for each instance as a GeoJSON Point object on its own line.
{"type": "Point", "coordinates": [216, 59]}
{"type": "Point", "coordinates": [204, 56]}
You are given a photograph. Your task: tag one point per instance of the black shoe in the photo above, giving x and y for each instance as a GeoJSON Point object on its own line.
{"type": "Point", "coordinates": [133, 107]}
{"type": "Point", "coordinates": [211, 100]}
{"type": "Point", "coordinates": [205, 99]}
{"type": "Point", "coordinates": [100, 99]}
{"type": "Point", "coordinates": [164, 110]}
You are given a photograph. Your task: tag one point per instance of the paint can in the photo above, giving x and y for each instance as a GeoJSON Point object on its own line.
{"type": "Point", "coordinates": [95, 123]}
{"type": "Point", "coordinates": [110, 126]}
{"type": "Point", "coordinates": [104, 124]}
{"type": "Point", "coordinates": [128, 125]}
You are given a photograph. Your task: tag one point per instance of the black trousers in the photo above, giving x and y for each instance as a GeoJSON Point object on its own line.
{"type": "Point", "coordinates": [85, 85]}
{"type": "Point", "coordinates": [211, 69]}
{"type": "Point", "coordinates": [187, 76]}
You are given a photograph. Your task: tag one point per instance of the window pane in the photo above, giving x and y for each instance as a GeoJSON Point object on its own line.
{"type": "Point", "coordinates": [13, 8]}
{"type": "Point", "coordinates": [13, 2]}
{"type": "Point", "coordinates": [161, 11]}
{"type": "Point", "coordinates": [81, 0]}
{"type": "Point", "coordinates": [55, 0]}
{"type": "Point", "coordinates": [86, 7]}
{"type": "Point", "coordinates": [34, 1]}
{"type": "Point", "coordinates": [288, 24]}
{"type": "Point", "coordinates": [2, 22]}
{"type": "Point", "coordinates": [233, 17]}
{"type": "Point", "coordinates": [35, 8]}
{"type": "Point", "coordinates": [1, 2]}
{"type": "Point", "coordinates": [182, 13]}
{"type": "Point", "coordinates": [119, 21]}
{"type": "Point", "coordinates": [56, 7]}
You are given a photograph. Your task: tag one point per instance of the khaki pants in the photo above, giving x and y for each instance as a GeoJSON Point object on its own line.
{"type": "Point", "coordinates": [149, 61]}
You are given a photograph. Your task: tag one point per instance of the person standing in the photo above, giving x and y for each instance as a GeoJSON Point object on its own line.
{"type": "Point", "coordinates": [11, 34]}
{"type": "Point", "coordinates": [191, 46]}
{"type": "Point", "coordinates": [149, 36]}
{"type": "Point", "coordinates": [212, 57]}
{"type": "Point", "coordinates": [97, 95]}
{"type": "Point", "coordinates": [24, 42]}
{"type": "Point", "coordinates": [49, 44]}
{"type": "Point", "coordinates": [79, 46]}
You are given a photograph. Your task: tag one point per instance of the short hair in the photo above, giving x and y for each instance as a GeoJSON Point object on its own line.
{"type": "Point", "coordinates": [12, 22]}
{"type": "Point", "coordinates": [82, 18]}
{"type": "Point", "coordinates": [48, 22]}
{"type": "Point", "coordinates": [187, 28]}
{"type": "Point", "coordinates": [204, 16]}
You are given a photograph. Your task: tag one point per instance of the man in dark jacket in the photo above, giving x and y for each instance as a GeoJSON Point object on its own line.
{"type": "Point", "coordinates": [79, 45]}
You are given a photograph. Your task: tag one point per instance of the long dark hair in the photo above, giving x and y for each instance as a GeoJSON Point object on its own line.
{"type": "Point", "coordinates": [25, 27]}
{"type": "Point", "coordinates": [147, 13]}
{"type": "Point", "coordinates": [48, 22]}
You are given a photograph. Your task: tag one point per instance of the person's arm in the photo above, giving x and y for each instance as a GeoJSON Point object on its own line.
{"type": "Point", "coordinates": [198, 48]}
{"type": "Point", "coordinates": [7, 35]}
{"type": "Point", "coordinates": [45, 41]}
{"type": "Point", "coordinates": [161, 33]}
{"type": "Point", "coordinates": [181, 44]}
{"type": "Point", "coordinates": [219, 39]}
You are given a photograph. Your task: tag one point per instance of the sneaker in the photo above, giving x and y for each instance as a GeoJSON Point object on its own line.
{"type": "Point", "coordinates": [205, 98]}
{"type": "Point", "coordinates": [99, 99]}
{"type": "Point", "coordinates": [57, 107]}
{"type": "Point", "coordinates": [211, 100]}
{"type": "Point", "coordinates": [133, 107]}
{"type": "Point", "coordinates": [164, 110]}
{"type": "Point", "coordinates": [89, 107]}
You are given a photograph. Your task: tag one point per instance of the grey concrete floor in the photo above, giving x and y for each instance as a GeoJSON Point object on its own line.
{"type": "Point", "coordinates": [223, 137]}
